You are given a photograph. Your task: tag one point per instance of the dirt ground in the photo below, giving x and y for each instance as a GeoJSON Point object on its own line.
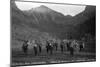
{"type": "Point", "coordinates": [19, 58]}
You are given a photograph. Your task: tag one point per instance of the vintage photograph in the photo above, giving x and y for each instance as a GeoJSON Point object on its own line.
{"type": "Point", "coordinates": [52, 33]}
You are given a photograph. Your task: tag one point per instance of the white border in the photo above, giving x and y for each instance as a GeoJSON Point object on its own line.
{"type": "Point", "coordinates": [5, 33]}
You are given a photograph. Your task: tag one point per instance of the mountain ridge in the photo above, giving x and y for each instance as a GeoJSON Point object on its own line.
{"type": "Point", "coordinates": [53, 22]}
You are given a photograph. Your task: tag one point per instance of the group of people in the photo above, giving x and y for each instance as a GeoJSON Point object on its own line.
{"type": "Point", "coordinates": [53, 46]}
{"type": "Point", "coordinates": [36, 47]}
{"type": "Point", "coordinates": [50, 46]}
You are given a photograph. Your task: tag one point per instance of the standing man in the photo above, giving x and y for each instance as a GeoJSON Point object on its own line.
{"type": "Point", "coordinates": [51, 47]}
{"type": "Point", "coordinates": [47, 46]}
{"type": "Point", "coordinates": [62, 46]}
{"type": "Point", "coordinates": [40, 46]}
{"type": "Point", "coordinates": [56, 45]}
{"type": "Point", "coordinates": [81, 46]}
{"type": "Point", "coordinates": [68, 46]}
{"type": "Point", "coordinates": [25, 46]}
{"type": "Point", "coordinates": [35, 48]}
{"type": "Point", "coordinates": [72, 48]}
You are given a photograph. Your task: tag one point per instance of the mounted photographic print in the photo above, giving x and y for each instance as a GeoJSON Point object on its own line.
{"type": "Point", "coordinates": [52, 33]}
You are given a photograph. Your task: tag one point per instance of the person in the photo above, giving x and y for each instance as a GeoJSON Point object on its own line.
{"type": "Point", "coordinates": [56, 45]}
{"type": "Point", "coordinates": [49, 47]}
{"type": "Point", "coordinates": [25, 46]}
{"type": "Point", "coordinates": [40, 48]}
{"type": "Point", "coordinates": [35, 48]}
{"type": "Point", "coordinates": [71, 48]}
{"type": "Point", "coordinates": [81, 46]}
{"type": "Point", "coordinates": [71, 51]}
{"type": "Point", "coordinates": [62, 46]}
{"type": "Point", "coordinates": [68, 45]}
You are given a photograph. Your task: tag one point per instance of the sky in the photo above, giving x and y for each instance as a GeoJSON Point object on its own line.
{"type": "Point", "coordinates": [62, 8]}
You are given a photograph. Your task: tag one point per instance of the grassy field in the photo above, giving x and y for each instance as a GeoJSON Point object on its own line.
{"type": "Point", "coordinates": [19, 58]}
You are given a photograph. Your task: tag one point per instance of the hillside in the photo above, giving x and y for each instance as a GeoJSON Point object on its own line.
{"type": "Point", "coordinates": [43, 22]}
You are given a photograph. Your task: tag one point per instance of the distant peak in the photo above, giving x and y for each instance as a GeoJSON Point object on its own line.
{"type": "Point", "coordinates": [42, 9]}
{"type": "Point", "coordinates": [45, 9]}
{"type": "Point", "coordinates": [42, 6]}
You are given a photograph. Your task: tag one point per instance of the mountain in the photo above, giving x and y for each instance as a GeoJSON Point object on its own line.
{"type": "Point", "coordinates": [47, 13]}
{"type": "Point", "coordinates": [43, 19]}
{"type": "Point", "coordinates": [88, 25]}
{"type": "Point", "coordinates": [80, 18]}
{"type": "Point", "coordinates": [47, 19]}
{"type": "Point", "coordinates": [25, 26]}
{"type": "Point", "coordinates": [22, 25]}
